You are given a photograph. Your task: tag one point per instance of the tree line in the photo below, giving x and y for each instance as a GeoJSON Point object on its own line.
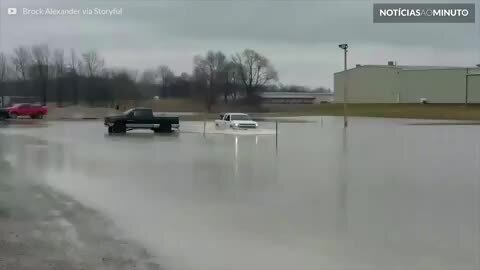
{"type": "Point", "coordinates": [73, 78]}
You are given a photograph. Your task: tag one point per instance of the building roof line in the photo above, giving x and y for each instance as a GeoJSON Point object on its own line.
{"type": "Point", "coordinates": [402, 67]}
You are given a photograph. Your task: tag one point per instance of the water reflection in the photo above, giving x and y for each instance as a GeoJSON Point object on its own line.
{"type": "Point", "coordinates": [141, 136]}
{"type": "Point", "coordinates": [368, 197]}
{"type": "Point", "coordinates": [235, 159]}
{"type": "Point", "coordinates": [24, 123]}
{"type": "Point", "coordinates": [228, 171]}
{"type": "Point", "coordinates": [5, 166]}
{"type": "Point", "coordinates": [342, 197]}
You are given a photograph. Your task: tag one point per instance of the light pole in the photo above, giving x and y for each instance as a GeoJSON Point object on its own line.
{"type": "Point", "coordinates": [344, 47]}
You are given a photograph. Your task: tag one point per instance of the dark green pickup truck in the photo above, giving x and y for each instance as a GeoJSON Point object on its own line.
{"type": "Point", "coordinates": [140, 118]}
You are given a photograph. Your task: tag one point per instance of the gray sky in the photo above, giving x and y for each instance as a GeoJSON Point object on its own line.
{"type": "Point", "coordinates": [299, 37]}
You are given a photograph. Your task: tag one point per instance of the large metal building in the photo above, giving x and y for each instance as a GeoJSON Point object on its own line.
{"type": "Point", "coordinates": [408, 84]}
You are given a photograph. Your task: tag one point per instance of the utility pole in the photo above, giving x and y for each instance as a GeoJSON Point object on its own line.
{"type": "Point", "coordinates": [466, 87]}
{"type": "Point", "coordinates": [344, 47]}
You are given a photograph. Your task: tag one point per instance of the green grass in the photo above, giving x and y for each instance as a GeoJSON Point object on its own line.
{"type": "Point", "coordinates": [418, 111]}
{"type": "Point", "coordinates": [413, 111]}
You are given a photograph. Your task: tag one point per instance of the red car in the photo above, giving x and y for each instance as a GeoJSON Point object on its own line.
{"type": "Point", "coordinates": [25, 109]}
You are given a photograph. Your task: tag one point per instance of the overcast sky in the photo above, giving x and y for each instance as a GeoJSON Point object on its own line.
{"type": "Point", "coordinates": [299, 37]}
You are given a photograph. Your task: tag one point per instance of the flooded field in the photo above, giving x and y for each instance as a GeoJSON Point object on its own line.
{"type": "Point", "coordinates": [382, 194]}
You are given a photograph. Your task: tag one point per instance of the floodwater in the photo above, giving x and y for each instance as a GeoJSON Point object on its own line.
{"type": "Point", "coordinates": [379, 195]}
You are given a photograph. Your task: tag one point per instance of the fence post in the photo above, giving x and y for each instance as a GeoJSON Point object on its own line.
{"type": "Point", "coordinates": [276, 134]}
{"type": "Point", "coordinates": [204, 125]}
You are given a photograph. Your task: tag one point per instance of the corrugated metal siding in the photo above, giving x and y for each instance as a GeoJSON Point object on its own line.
{"type": "Point", "coordinates": [474, 88]}
{"type": "Point", "coordinates": [437, 86]}
{"type": "Point", "coordinates": [384, 84]}
{"type": "Point", "coordinates": [338, 87]}
{"type": "Point", "coordinates": [368, 85]}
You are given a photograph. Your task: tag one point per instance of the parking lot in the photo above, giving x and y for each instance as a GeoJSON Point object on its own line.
{"type": "Point", "coordinates": [380, 195]}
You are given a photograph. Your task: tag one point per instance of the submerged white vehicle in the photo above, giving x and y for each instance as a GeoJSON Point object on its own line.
{"type": "Point", "coordinates": [235, 121]}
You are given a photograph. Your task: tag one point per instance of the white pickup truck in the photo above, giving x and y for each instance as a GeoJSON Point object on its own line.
{"type": "Point", "coordinates": [235, 121]}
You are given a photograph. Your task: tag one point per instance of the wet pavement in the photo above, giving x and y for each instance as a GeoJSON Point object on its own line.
{"type": "Point", "coordinates": [43, 229]}
{"type": "Point", "coordinates": [382, 195]}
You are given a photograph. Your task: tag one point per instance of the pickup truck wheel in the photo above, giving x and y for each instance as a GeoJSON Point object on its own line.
{"type": "Point", "coordinates": [119, 128]}
{"type": "Point", "coordinates": [163, 129]}
{"type": "Point", "coordinates": [166, 128]}
{"type": "Point", "coordinates": [40, 116]}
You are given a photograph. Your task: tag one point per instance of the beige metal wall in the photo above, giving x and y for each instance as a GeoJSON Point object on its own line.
{"type": "Point", "coordinates": [473, 83]}
{"type": "Point", "coordinates": [437, 86]}
{"type": "Point", "coordinates": [368, 85]}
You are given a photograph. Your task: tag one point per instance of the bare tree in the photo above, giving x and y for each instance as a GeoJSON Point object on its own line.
{"type": "Point", "coordinates": [3, 67]}
{"type": "Point", "coordinates": [214, 75]}
{"type": "Point", "coordinates": [254, 70]}
{"type": "Point", "coordinates": [200, 77]}
{"type": "Point", "coordinates": [59, 69]}
{"type": "Point", "coordinates": [213, 70]}
{"type": "Point", "coordinates": [74, 67]}
{"type": "Point", "coordinates": [41, 55]}
{"type": "Point", "coordinates": [123, 85]}
{"type": "Point", "coordinates": [3, 77]}
{"type": "Point", "coordinates": [166, 76]}
{"type": "Point", "coordinates": [148, 76]}
{"type": "Point", "coordinates": [132, 74]}
{"type": "Point", "coordinates": [22, 60]}
{"type": "Point", "coordinates": [93, 63]}
{"type": "Point", "coordinates": [184, 76]}
{"type": "Point", "coordinates": [230, 88]}
{"type": "Point", "coordinates": [216, 63]}
{"type": "Point", "coordinates": [147, 83]}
